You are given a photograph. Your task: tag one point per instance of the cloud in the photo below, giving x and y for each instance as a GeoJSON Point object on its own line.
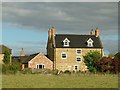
{"type": "Point", "coordinates": [64, 16]}
{"type": "Point", "coordinates": [61, 1]}
{"type": "Point", "coordinates": [111, 46]}
{"type": "Point", "coordinates": [67, 17]}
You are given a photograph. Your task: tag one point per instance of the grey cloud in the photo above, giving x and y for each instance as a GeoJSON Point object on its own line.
{"type": "Point", "coordinates": [61, 1]}
{"type": "Point", "coordinates": [111, 45]}
{"type": "Point", "coordinates": [65, 16]}
{"type": "Point", "coordinates": [29, 47]}
{"type": "Point", "coordinates": [72, 17]}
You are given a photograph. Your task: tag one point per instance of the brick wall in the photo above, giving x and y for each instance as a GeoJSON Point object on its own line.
{"type": "Point", "coordinates": [40, 59]}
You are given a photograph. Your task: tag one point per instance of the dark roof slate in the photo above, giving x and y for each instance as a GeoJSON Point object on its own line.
{"type": "Point", "coordinates": [77, 41]}
{"type": "Point", "coordinates": [26, 59]}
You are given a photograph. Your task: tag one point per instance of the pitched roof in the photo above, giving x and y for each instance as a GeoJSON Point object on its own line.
{"type": "Point", "coordinates": [25, 59]}
{"type": "Point", "coordinates": [77, 41]}
{"type": "Point", "coordinates": [4, 48]}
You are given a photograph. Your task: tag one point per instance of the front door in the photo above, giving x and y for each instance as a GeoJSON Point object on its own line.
{"type": "Point", "coordinates": [76, 68]}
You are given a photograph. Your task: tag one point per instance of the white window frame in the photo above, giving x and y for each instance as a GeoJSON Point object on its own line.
{"type": "Point", "coordinates": [66, 42]}
{"type": "Point", "coordinates": [90, 42]}
{"type": "Point", "coordinates": [79, 57]}
{"type": "Point", "coordinates": [77, 52]}
{"type": "Point", "coordinates": [62, 54]}
{"type": "Point", "coordinates": [40, 64]}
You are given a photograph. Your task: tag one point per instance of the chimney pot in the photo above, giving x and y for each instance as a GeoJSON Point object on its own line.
{"type": "Point", "coordinates": [53, 30]}
{"type": "Point", "coordinates": [92, 33]}
{"type": "Point", "coordinates": [97, 32]}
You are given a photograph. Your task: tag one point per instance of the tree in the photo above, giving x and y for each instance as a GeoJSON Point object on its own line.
{"type": "Point", "coordinates": [111, 64]}
{"type": "Point", "coordinates": [90, 59]}
{"type": "Point", "coordinates": [117, 55]}
{"type": "Point", "coordinates": [105, 64]}
{"type": "Point", "coordinates": [116, 62]}
{"type": "Point", "coordinates": [6, 59]}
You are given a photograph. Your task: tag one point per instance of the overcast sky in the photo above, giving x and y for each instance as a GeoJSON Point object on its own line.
{"type": "Point", "coordinates": [25, 25]}
{"type": "Point", "coordinates": [60, 0]}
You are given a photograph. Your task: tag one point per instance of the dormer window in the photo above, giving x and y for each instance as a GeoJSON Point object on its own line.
{"type": "Point", "coordinates": [66, 42]}
{"type": "Point", "coordinates": [90, 42]}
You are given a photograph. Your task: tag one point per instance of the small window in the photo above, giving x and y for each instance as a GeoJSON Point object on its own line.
{"type": "Point", "coordinates": [78, 51]}
{"type": "Point", "coordinates": [40, 66]}
{"type": "Point", "coordinates": [90, 44]}
{"type": "Point", "coordinates": [78, 59]}
{"type": "Point", "coordinates": [64, 55]}
{"type": "Point", "coordinates": [66, 42]}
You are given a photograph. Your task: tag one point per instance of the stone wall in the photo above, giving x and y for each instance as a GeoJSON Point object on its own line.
{"type": "Point", "coordinates": [70, 62]}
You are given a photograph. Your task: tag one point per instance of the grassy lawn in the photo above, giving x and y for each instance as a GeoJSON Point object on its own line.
{"type": "Point", "coordinates": [60, 81]}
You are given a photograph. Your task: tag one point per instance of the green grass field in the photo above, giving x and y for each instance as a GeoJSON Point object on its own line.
{"type": "Point", "coordinates": [60, 81]}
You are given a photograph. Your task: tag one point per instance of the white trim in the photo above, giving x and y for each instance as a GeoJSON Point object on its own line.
{"type": "Point", "coordinates": [90, 42]}
{"type": "Point", "coordinates": [63, 53]}
{"type": "Point", "coordinates": [78, 57]}
{"type": "Point", "coordinates": [66, 41]}
{"type": "Point", "coordinates": [79, 53]}
{"type": "Point", "coordinates": [40, 64]}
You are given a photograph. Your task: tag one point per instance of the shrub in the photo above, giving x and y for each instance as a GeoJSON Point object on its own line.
{"type": "Point", "coordinates": [55, 72]}
{"type": "Point", "coordinates": [39, 71]}
{"type": "Point", "coordinates": [6, 59]}
{"type": "Point", "coordinates": [10, 69]}
{"type": "Point", "coordinates": [26, 71]}
{"type": "Point", "coordinates": [67, 72]}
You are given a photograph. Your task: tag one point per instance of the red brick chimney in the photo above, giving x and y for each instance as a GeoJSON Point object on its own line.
{"type": "Point", "coordinates": [97, 32]}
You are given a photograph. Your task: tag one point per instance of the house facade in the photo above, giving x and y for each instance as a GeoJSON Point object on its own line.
{"type": "Point", "coordinates": [38, 61]}
{"type": "Point", "coordinates": [67, 50]}
{"type": "Point", "coordinates": [4, 48]}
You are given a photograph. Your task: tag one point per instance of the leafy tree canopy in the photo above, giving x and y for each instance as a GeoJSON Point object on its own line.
{"type": "Point", "coordinates": [90, 59]}
{"type": "Point", "coordinates": [117, 55]}
{"type": "Point", "coordinates": [6, 59]}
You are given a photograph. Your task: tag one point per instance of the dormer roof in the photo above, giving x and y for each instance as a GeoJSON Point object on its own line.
{"type": "Point", "coordinates": [66, 42]}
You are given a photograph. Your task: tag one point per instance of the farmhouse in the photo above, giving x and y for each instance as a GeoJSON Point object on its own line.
{"type": "Point", "coordinates": [4, 48]}
{"type": "Point", "coordinates": [67, 50]}
{"type": "Point", "coordinates": [37, 60]}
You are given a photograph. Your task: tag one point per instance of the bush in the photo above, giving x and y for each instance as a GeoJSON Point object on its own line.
{"type": "Point", "coordinates": [67, 72]}
{"type": "Point", "coordinates": [41, 71]}
{"type": "Point", "coordinates": [10, 69]}
{"type": "Point", "coordinates": [6, 59]}
{"type": "Point", "coordinates": [26, 71]}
